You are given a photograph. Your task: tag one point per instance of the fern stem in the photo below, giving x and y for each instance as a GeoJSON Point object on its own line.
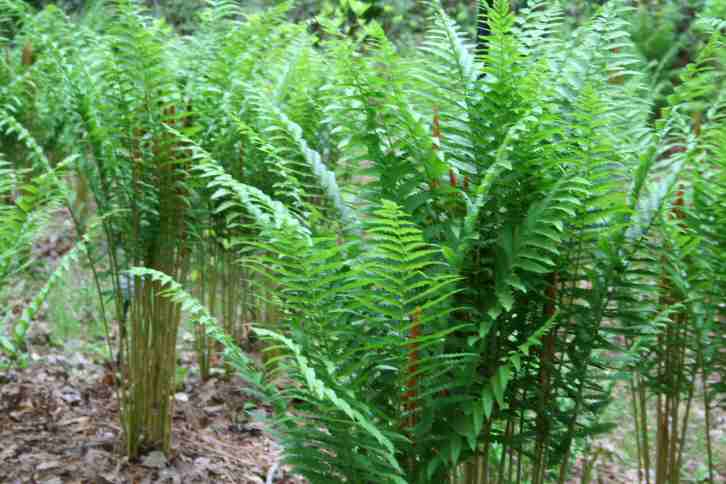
{"type": "Point", "coordinates": [706, 408]}
{"type": "Point", "coordinates": [644, 426]}
{"type": "Point", "coordinates": [636, 424]}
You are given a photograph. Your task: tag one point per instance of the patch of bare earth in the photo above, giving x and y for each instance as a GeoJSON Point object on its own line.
{"type": "Point", "coordinates": [59, 424]}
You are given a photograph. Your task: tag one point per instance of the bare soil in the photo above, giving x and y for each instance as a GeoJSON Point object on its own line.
{"type": "Point", "coordinates": [59, 424]}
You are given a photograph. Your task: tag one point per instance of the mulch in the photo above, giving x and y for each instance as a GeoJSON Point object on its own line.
{"type": "Point", "coordinates": [59, 423]}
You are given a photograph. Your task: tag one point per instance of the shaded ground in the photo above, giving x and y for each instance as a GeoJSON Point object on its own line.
{"type": "Point", "coordinates": [59, 418]}
{"type": "Point", "coordinates": [59, 424]}
{"type": "Point", "coordinates": [619, 454]}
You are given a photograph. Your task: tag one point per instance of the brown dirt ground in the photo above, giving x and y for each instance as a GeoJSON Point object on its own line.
{"type": "Point", "coordinates": [59, 424]}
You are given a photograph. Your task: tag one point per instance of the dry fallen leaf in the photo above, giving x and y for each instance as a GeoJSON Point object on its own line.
{"type": "Point", "coordinates": [44, 466]}
{"type": "Point", "coordinates": [155, 459]}
{"type": "Point", "coordinates": [52, 480]}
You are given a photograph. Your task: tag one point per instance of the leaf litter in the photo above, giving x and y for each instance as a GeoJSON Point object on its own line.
{"type": "Point", "coordinates": [59, 424]}
{"type": "Point", "coordinates": [59, 418]}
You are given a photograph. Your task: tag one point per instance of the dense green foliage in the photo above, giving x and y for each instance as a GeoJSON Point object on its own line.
{"type": "Point", "coordinates": [451, 253]}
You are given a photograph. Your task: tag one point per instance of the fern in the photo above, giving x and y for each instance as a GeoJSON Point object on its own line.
{"type": "Point", "coordinates": [285, 132]}
{"type": "Point", "coordinates": [18, 345]}
{"type": "Point", "coordinates": [441, 248]}
{"type": "Point", "coordinates": [349, 321]}
{"type": "Point", "coordinates": [25, 206]}
{"type": "Point", "coordinates": [266, 212]}
{"type": "Point", "coordinates": [173, 290]}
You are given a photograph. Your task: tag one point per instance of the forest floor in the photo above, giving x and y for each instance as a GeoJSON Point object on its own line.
{"type": "Point", "coordinates": [59, 424]}
{"type": "Point", "coordinates": [59, 419]}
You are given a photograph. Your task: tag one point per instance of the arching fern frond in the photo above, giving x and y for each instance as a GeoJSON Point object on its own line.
{"type": "Point", "coordinates": [174, 291]}
{"type": "Point", "coordinates": [366, 345]}
{"type": "Point", "coordinates": [288, 136]}
{"type": "Point", "coordinates": [17, 345]}
{"type": "Point", "coordinates": [265, 212]}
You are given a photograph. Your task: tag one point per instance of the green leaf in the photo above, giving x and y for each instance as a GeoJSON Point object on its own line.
{"type": "Point", "coordinates": [432, 466]}
{"type": "Point", "coordinates": [505, 297]}
{"type": "Point", "coordinates": [7, 345]}
{"type": "Point", "coordinates": [359, 8]}
{"type": "Point", "coordinates": [516, 361]}
{"type": "Point", "coordinates": [532, 266]}
{"type": "Point", "coordinates": [495, 311]}
{"type": "Point", "coordinates": [487, 402]}
{"type": "Point", "coordinates": [499, 383]}
{"type": "Point", "coordinates": [477, 414]}
{"type": "Point", "coordinates": [451, 257]}
{"type": "Point", "coordinates": [484, 328]}
{"type": "Point", "coordinates": [455, 445]}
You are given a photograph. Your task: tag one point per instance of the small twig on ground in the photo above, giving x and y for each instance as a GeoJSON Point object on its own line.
{"type": "Point", "coordinates": [271, 473]}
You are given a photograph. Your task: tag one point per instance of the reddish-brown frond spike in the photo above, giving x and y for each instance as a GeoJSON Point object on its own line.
{"type": "Point", "coordinates": [552, 295]}
{"type": "Point", "coordinates": [27, 56]}
{"type": "Point", "coordinates": [697, 122]}
{"type": "Point", "coordinates": [678, 205]}
{"type": "Point", "coordinates": [169, 113]}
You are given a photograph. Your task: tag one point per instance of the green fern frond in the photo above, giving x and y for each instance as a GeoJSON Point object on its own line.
{"type": "Point", "coordinates": [20, 328]}
{"type": "Point", "coordinates": [175, 292]}
{"type": "Point", "coordinates": [537, 27]}
{"type": "Point", "coordinates": [319, 391]}
{"type": "Point", "coordinates": [286, 132]}
{"type": "Point", "coordinates": [446, 74]}
{"type": "Point", "coordinates": [11, 126]}
{"type": "Point", "coordinates": [266, 212]}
